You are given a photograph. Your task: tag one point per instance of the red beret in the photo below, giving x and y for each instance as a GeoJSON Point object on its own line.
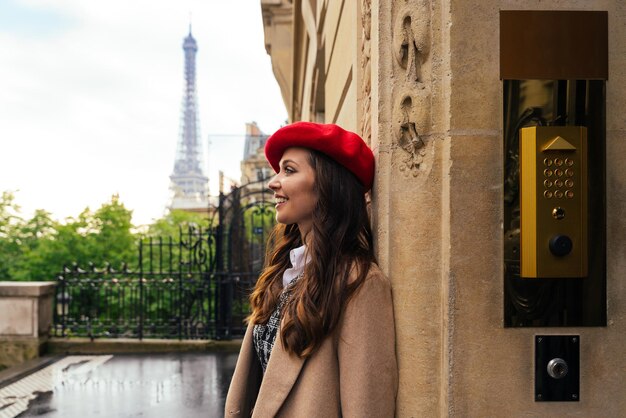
{"type": "Point", "coordinates": [347, 148]}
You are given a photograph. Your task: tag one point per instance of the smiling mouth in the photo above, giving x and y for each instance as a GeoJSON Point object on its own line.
{"type": "Point", "coordinates": [280, 200]}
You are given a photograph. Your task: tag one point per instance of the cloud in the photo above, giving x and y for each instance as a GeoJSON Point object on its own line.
{"type": "Point", "coordinates": [92, 107]}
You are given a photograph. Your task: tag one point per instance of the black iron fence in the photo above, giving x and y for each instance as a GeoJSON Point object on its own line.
{"type": "Point", "coordinates": [192, 287]}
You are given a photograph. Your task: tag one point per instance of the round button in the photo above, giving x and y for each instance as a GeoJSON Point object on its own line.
{"type": "Point", "coordinates": [547, 183]}
{"type": "Point", "coordinates": [558, 162]}
{"type": "Point", "coordinates": [560, 245]}
{"type": "Point", "coordinates": [547, 162]}
{"type": "Point", "coordinates": [569, 183]}
{"type": "Point", "coordinates": [558, 183]}
{"type": "Point", "coordinates": [558, 194]}
{"type": "Point", "coordinates": [569, 194]}
{"type": "Point", "coordinates": [547, 194]}
{"type": "Point", "coordinates": [558, 213]}
{"type": "Point", "coordinates": [557, 368]}
{"type": "Point", "coordinates": [569, 162]}
{"type": "Point", "coordinates": [558, 172]}
{"type": "Point", "coordinates": [569, 172]}
{"type": "Point", "coordinates": [547, 172]}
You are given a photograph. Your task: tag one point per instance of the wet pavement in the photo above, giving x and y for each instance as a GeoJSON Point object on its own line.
{"type": "Point", "coordinates": [120, 385]}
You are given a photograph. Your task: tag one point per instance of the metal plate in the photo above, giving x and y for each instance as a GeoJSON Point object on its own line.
{"type": "Point", "coordinates": [554, 45]}
{"type": "Point", "coordinates": [557, 355]}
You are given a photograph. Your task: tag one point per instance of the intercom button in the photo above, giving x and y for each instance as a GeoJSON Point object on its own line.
{"type": "Point", "coordinates": [558, 162]}
{"type": "Point", "coordinates": [547, 183]}
{"type": "Point", "coordinates": [569, 183]}
{"type": "Point", "coordinates": [569, 172]}
{"type": "Point", "coordinates": [558, 194]}
{"type": "Point", "coordinates": [547, 162]}
{"type": "Point", "coordinates": [547, 194]}
{"type": "Point", "coordinates": [569, 194]}
{"type": "Point", "coordinates": [547, 172]}
{"type": "Point", "coordinates": [558, 183]}
{"type": "Point", "coordinates": [558, 172]}
{"type": "Point", "coordinates": [558, 213]}
{"type": "Point", "coordinates": [569, 162]}
{"type": "Point", "coordinates": [560, 245]}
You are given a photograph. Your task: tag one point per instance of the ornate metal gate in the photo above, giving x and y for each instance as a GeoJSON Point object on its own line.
{"type": "Point", "coordinates": [246, 217]}
{"type": "Point", "coordinates": [194, 288]}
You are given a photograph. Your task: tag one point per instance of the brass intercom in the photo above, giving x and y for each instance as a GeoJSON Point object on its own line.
{"type": "Point", "coordinates": [553, 193]}
{"type": "Point", "coordinates": [554, 87]}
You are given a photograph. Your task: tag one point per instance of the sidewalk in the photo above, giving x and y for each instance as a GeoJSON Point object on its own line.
{"type": "Point", "coordinates": [119, 385]}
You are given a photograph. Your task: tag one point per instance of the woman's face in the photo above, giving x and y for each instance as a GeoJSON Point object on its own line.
{"type": "Point", "coordinates": [293, 189]}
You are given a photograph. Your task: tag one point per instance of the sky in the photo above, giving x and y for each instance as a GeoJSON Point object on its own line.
{"type": "Point", "coordinates": [91, 92]}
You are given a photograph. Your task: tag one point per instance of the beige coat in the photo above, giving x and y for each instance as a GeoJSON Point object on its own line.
{"type": "Point", "coordinates": [353, 374]}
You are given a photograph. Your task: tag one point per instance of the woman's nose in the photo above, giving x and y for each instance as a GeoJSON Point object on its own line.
{"type": "Point", "coordinates": [273, 183]}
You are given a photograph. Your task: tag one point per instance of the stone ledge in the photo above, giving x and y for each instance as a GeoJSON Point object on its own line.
{"type": "Point", "coordinates": [26, 289]}
{"type": "Point", "coordinates": [14, 351]}
{"type": "Point", "coordinates": [126, 345]}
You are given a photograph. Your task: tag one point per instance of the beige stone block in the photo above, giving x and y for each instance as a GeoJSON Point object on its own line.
{"type": "Point", "coordinates": [616, 227]}
{"type": "Point", "coordinates": [320, 5]}
{"type": "Point", "coordinates": [342, 64]}
{"type": "Point", "coordinates": [477, 365]}
{"type": "Point", "coordinates": [18, 317]}
{"type": "Point", "coordinates": [415, 270]}
{"type": "Point", "coordinates": [615, 91]}
{"type": "Point", "coordinates": [26, 289]}
{"type": "Point", "coordinates": [475, 86]}
{"type": "Point", "coordinates": [474, 282]}
{"type": "Point", "coordinates": [309, 23]}
{"type": "Point", "coordinates": [278, 32]}
{"type": "Point", "coordinates": [26, 308]}
{"type": "Point", "coordinates": [336, 92]}
{"type": "Point", "coordinates": [347, 114]}
{"type": "Point", "coordinates": [331, 25]}
{"type": "Point", "coordinates": [282, 58]}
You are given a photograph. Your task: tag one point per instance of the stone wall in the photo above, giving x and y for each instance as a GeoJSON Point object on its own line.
{"type": "Point", "coordinates": [437, 128]}
{"type": "Point", "coordinates": [25, 320]}
{"type": "Point", "coordinates": [429, 101]}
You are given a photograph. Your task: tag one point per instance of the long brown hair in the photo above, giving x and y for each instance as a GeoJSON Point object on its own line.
{"type": "Point", "coordinates": [341, 242]}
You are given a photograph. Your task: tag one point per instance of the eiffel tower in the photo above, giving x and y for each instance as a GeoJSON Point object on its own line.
{"type": "Point", "coordinates": [188, 182]}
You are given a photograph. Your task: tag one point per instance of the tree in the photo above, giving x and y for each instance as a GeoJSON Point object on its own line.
{"type": "Point", "coordinates": [29, 236]}
{"type": "Point", "coordinates": [40, 247]}
{"type": "Point", "coordinates": [9, 247]}
{"type": "Point", "coordinates": [111, 240]}
{"type": "Point", "coordinates": [170, 224]}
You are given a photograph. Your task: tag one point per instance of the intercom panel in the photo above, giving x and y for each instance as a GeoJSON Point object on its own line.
{"type": "Point", "coordinates": [553, 201]}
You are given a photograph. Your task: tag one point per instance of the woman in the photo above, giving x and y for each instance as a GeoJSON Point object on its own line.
{"type": "Point", "coordinates": [322, 308]}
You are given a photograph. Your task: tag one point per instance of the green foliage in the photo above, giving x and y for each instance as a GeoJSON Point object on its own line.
{"type": "Point", "coordinates": [112, 239]}
{"type": "Point", "coordinates": [175, 267]}
{"type": "Point", "coordinates": [9, 247]}
{"type": "Point", "coordinates": [169, 225]}
{"type": "Point", "coordinates": [38, 248]}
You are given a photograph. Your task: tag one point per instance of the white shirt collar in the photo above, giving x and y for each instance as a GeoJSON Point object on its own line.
{"type": "Point", "coordinates": [298, 262]}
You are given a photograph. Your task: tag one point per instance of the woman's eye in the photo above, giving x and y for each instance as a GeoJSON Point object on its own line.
{"type": "Point", "coordinates": [289, 170]}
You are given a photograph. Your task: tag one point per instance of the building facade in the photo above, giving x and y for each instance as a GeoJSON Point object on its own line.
{"type": "Point", "coordinates": [425, 83]}
{"type": "Point", "coordinates": [254, 167]}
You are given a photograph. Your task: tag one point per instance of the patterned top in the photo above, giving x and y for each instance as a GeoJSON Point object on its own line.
{"type": "Point", "coordinates": [264, 335]}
